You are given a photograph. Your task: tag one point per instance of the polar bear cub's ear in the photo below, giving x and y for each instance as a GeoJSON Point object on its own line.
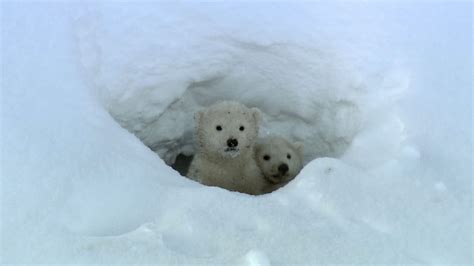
{"type": "Point", "coordinates": [299, 146]}
{"type": "Point", "coordinates": [257, 114]}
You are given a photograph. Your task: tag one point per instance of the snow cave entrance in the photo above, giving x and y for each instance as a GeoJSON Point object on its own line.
{"type": "Point", "coordinates": [304, 95]}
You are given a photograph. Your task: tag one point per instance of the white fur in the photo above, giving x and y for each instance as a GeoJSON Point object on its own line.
{"type": "Point", "coordinates": [277, 150]}
{"type": "Point", "coordinates": [214, 163]}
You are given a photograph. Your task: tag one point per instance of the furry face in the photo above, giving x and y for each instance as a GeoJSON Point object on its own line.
{"type": "Point", "coordinates": [279, 160]}
{"type": "Point", "coordinates": [227, 129]}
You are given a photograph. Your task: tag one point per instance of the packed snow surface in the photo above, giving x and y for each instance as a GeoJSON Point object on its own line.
{"type": "Point", "coordinates": [98, 101]}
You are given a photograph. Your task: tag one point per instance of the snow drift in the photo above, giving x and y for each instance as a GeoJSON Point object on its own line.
{"type": "Point", "coordinates": [159, 69]}
{"type": "Point", "coordinates": [98, 99]}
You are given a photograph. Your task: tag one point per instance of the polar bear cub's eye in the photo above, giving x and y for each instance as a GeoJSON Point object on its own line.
{"type": "Point", "coordinates": [288, 156]}
{"type": "Point", "coordinates": [241, 128]}
{"type": "Point", "coordinates": [218, 128]}
{"type": "Point", "coordinates": [266, 157]}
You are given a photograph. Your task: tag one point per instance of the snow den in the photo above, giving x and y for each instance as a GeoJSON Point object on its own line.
{"type": "Point", "coordinates": [98, 101]}
{"type": "Point", "coordinates": [305, 94]}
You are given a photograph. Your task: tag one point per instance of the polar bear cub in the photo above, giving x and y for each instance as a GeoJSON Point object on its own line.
{"type": "Point", "coordinates": [279, 160]}
{"type": "Point", "coordinates": [225, 156]}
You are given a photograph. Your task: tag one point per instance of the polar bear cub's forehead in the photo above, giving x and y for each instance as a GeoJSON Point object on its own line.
{"type": "Point", "coordinates": [229, 111]}
{"type": "Point", "coordinates": [228, 107]}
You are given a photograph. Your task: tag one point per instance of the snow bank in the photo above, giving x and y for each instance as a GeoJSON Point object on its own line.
{"type": "Point", "coordinates": [85, 87]}
{"type": "Point", "coordinates": [154, 71]}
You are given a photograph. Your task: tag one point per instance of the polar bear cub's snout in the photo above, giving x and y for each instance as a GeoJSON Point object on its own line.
{"type": "Point", "coordinates": [232, 143]}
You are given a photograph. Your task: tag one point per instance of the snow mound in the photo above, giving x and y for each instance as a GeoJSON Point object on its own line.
{"type": "Point", "coordinates": [156, 72]}
{"type": "Point", "coordinates": [88, 89]}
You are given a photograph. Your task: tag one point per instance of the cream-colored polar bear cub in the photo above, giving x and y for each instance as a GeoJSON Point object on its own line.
{"type": "Point", "coordinates": [225, 157]}
{"type": "Point", "coordinates": [279, 160]}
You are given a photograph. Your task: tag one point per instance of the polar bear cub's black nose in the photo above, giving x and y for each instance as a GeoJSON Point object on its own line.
{"type": "Point", "coordinates": [283, 168]}
{"type": "Point", "coordinates": [232, 143]}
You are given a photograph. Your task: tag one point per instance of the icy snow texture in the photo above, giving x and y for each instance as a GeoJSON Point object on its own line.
{"type": "Point", "coordinates": [383, 88]}
{"type": "Point", "coordinates": [154, 71]}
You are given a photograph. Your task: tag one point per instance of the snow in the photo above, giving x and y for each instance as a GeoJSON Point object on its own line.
{"type": "Point", "coordinates": [98, 99]}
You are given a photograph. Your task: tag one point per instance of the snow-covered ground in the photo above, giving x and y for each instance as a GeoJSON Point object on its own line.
{"type": "Point", "coordinates": [94, 94]}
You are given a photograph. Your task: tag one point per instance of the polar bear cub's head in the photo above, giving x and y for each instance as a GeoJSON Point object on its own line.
{"type": "Point", "coordinates": [279, 160]}
{"type": "Point", "coordinates": [227, 129]}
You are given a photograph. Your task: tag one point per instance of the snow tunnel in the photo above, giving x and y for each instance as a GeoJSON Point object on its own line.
{"type": "Point", "coordinates": [305, 94]}
{"type": "Point", "coordinates": [107, 105]}
{"type": "Point", "coordinates": [301, 92]}
{"type": "Point", "coordinates": [154, 78]}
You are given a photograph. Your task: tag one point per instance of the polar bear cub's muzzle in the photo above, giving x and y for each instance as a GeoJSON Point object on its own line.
{"type": "Point", "coordinates": [232, 148]}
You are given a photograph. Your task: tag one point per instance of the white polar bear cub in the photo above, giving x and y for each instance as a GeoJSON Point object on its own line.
{"type": "Point", "coordinates": [225, 157]}
{"type": "Point", "coordinates": [279, 160]}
